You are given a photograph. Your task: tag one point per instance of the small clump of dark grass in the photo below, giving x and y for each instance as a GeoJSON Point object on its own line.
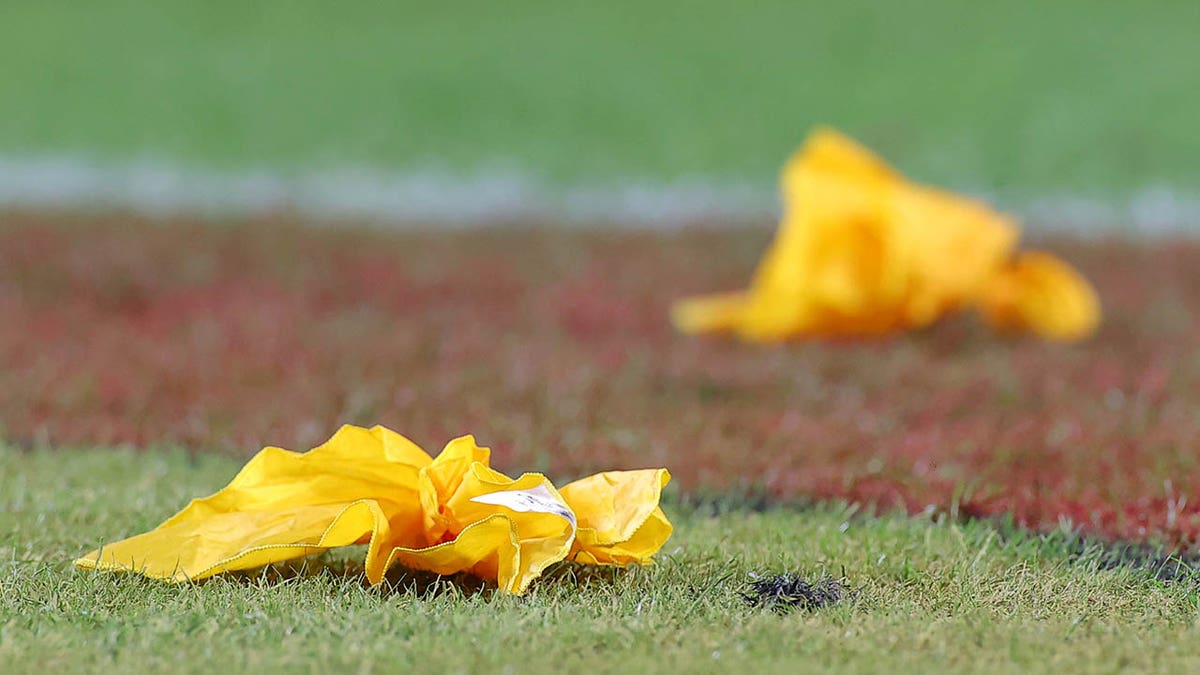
{"type": "Point", "coordinates": [789, 591]}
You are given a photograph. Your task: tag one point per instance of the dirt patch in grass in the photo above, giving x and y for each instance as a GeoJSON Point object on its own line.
{"type": "Point", "coordinates": [789, 591]}
{"type": "Point", "coordinates": [553, 347]}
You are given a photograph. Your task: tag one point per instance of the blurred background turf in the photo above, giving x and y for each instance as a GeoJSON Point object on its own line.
{"type": "Point", "coordinates": [1027, 98]}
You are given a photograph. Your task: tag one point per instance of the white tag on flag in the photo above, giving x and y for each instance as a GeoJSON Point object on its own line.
{"type": "Point", "coordinates": [533, 500]}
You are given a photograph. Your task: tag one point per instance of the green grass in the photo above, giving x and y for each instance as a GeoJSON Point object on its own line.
{"type": "Point", "coordinates": [1027, 97]}
{"type": "Point", "coordinates": [962, 597]}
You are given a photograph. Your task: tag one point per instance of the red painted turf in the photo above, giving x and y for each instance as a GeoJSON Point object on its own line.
{"type": "Point", "coordinates": [554, 349]}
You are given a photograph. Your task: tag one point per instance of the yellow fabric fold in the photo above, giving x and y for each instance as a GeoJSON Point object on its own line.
{"type": "Point", "coordinates": [620, 521]}
{"type": "Point", "coordinates": [862, 251]}
{"type": "Point", "coordinates": [1037, 292]}
{"type": "Point", "coordinates": [446, 515]}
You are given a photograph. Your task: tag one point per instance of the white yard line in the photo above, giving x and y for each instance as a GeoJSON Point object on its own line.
{"type": "Point", "coordinates": [445, 199]}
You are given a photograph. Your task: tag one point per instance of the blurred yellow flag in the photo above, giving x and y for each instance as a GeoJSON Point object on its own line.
{"type": "Point", "coordinates": [863, 251]}
{"type": "Point", "coordinates": [375, 487]}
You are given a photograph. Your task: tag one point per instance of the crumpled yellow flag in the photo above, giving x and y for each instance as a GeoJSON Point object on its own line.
{"type": "Point", "coordinates": [862, 251]}
{"type": "Point", "coordinates": [375, 487]}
